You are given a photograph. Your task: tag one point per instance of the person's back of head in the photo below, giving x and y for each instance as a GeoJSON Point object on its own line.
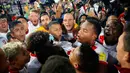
{"type": "Point", "coordinates": [40, 44]}
{"type": "Point", "coordinates": [57, 64]}
{"type": "Point", "coordinates": [89, 60]}
{"type": "Point", "coordinates": [17, 55]}
{"type": "Point", "coordinates": [48, 51]}
{"type": "Point", "coordinates": [84, 59]}
{"type": "Point", "coordinates": [37, 40]}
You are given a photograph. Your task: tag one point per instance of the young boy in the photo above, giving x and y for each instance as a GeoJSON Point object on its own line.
{"type": "Point", "coordinates": [17, 55]}
{"type": "Point", "coordinates": [56, 31]}
{"type": "Point", "coordinates": [17, 31]}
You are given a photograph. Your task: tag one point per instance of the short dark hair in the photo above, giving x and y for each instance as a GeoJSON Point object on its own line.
{"type": "Point", "coordinates": [88, 59]}
{"type": "Point", "coordinates": [3, 16]}
{"type": "Point", "coordinates": [36, 40]}
{"type": "Point", "coordinates": [22, 17]}
{"type": "Point", "coordinates": [126, 39]}
{"type": "Point", "coordinates": [57, 64]}
{"type": "Point", "coordinates": [52, 23]}
{"type": "Point", "coordinates": [13, 24]}
{"type": "Point", "coordinates": [82, 15]}
{"type": "Point", "coordinates": [39, 43]}
{"type": "Point", "coordinates": [9, 36]}
{"type": "Point", "coordinates": [44, 13]}
{"type": "Point", "coordinates": [96, 23]}
{"type": "Point", "coordinates": [119, 27]}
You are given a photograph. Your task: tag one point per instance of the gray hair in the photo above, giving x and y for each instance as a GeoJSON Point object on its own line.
{"type": "Point", "coordinates": [12, 49]}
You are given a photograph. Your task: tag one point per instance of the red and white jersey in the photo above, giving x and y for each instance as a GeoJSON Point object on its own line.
{"type": "Point", "coordinates": [33, 65]}
{"type": "Point", "coordinates": [99, 49]}
{"type": "Point", "coordinates": [101, 37]}
{"type": "Point", "coordinates": [111, 49]}
{"type": "Point", "coordinates": [103, 54]}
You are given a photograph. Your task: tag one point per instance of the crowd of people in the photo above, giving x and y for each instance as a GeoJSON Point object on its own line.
{"type": "Point", "coordinates": [80, 36]}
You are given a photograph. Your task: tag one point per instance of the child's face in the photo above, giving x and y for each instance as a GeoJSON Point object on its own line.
{"type": "Point", "coordinates": [21, 59]}
{"type": "Point", "coordinates": [56, 31]}
{"type": "Point", "coordinates": [18, 32]}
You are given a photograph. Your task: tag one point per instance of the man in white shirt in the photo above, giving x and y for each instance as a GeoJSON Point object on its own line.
{"type": "Point", "coordinates": [3, 30]}
{"type": "Point", "coordinates": [33, 22]}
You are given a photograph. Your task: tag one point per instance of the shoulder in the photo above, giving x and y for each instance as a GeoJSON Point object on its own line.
{"type": "Point", "coordinates": [103, 54]}
{"type": "Point", "coordinates": [42, 29]}
{"type": "Point", "coordinates": [105, 67]}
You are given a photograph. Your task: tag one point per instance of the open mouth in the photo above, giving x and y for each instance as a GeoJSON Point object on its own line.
{"type": "Point", "coordinates": [78, 37]}
{"type": "Point", "coordinates": [34, 21]}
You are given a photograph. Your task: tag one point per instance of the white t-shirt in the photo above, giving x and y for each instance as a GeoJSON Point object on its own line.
{"type": "Point", "coordinates": [31, 28]}
{"type": "Point", "coordinates": [3, 35]}
{"type": "Point", "coordinates": [2, 41]}
{"type": "Point", "coordinates": [103, 54]}
{"type": "Point", "coordinates": [33, 65]}
{"type": "Point", "coordinates": [99, 49]}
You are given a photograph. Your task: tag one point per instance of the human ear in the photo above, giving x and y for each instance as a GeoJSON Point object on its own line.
{"type": "Point", "coordinates": [127, 57]}
{"type": "Point", "coordinates": [12, 35]}
{"type": "Point", "coordinates": [76, 66]}
{"type": "Point", "coordinates": [94, 36]}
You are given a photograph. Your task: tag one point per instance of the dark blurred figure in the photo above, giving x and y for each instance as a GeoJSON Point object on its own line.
{"type": "Point", "coordinates": [57, 64]}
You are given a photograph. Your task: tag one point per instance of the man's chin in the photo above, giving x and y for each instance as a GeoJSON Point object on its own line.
{"type": "Point", "coordinates": [35, 24]}
{"type": "Point", "coordinates": [78, 40]}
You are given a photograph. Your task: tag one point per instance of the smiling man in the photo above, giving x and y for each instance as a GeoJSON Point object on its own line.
{"type": "Point", "coordinates": [109, 38]}
{"type": "Point", "coordinates": [70, 27]}
{"type": "Point", "coordinates": [3, 26]}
